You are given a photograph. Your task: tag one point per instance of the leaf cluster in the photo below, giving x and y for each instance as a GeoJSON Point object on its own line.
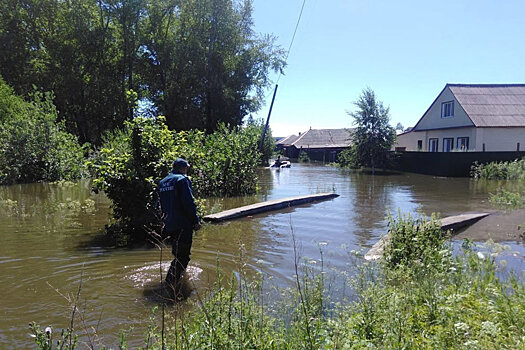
{"type": "Point", "coordinates": [514, 170]}
{"type": "Point", "coordinates": [35, 145]}
{"type": "Point", "coordinates": [131, 161]}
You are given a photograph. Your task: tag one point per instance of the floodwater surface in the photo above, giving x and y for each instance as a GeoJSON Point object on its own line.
{"type": "Point", "coordinates": [50, 244]}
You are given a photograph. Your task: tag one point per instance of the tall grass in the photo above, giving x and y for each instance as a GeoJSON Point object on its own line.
{"type": "Point", "coordinates": [421, 298]}
{"type": "Point", "coordinates": [514, 170]}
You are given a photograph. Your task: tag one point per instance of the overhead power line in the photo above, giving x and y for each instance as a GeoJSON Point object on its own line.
{"type": "Point", "coordinates": [293, 37]}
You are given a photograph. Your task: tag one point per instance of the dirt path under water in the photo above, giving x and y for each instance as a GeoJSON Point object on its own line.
{"type": "Point", "coordinates": [499, 226]}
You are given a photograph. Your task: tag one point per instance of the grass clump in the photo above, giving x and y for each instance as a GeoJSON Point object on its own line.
{"type": "Point", "coordinates": [507, 199]}
{"type": "Point", "coordinates": [514, 170]}
{"type": "Point", "coordinates": [415, 241]}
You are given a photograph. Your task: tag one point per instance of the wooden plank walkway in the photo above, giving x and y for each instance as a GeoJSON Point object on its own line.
{"type": "Point", "coordinates": [449, 223]}
{"type": "Point", "coordinates": [268, 206]}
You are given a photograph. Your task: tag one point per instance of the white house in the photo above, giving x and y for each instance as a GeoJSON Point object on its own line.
{"type": "Point", "coordinates": [471, 117]}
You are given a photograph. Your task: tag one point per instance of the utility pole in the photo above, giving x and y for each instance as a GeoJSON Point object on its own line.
{"type": "Point", "coordinates": [267, 119]}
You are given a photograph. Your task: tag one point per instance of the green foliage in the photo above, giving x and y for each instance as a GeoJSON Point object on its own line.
{"type": "Point", "coordinates": [229, 162]}
{"type": "Point", "coordinates": [126, 169]}
{"type": "Point", "coordinates": [268, 147]}
{"type": "Point", "coordinates": [35, 145]}
{"type": "Point", "coordinates": [130, 162]}
{"type": "Point", "coordinates": [514, 170]}
{"type": "Point", "coordinates": [44, 338]}
{"type": "Point", "coordinates": [454, 303]}
{"type": "Point", "coordinates": [221, 81]}
{"type": "Point", "coordinates": [414, 242]}
{"type": "Point", "coordinates": [198, 61]}
{"type": "Point", "coordinates": [303, 157]}
{"type": "Point", "coordinates": [373, 137]}
{"type": "Point", "coordinates": [347, 158]}
{"type": "Point", "coordinates": [507, 199]}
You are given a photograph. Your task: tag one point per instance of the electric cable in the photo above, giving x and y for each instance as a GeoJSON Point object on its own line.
{"type": "Point", "coordinates": [293, 39]}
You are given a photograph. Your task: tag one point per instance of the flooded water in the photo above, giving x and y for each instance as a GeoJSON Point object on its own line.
{"type": "Point", "coordinates": [50, 233]}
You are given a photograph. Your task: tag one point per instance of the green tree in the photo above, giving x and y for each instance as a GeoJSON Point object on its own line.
{"type": "Point", "coordinates": [199, 62]}
{"type": "Point", "coordinates": [373, 136]}
{"type": "Point", "coordinates": [76, 49]}
{"type": "Point", "coordinates": [35, 147]}
{"type": "Point", "coordinates": [206, 65]}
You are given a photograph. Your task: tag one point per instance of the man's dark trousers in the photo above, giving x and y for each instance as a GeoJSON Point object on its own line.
{"type": "Point", "coordinates": [181, 248]}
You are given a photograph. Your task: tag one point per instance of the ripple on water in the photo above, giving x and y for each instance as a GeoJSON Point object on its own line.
{"type": "Point", "coordinates": [148, 274]}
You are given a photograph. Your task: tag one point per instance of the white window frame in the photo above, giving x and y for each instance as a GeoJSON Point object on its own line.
{"type": "Point", "coordinates": [450, 142]}
{"type": "Point", "coordinates": [447, 109]}
{"type": "Point", "coordinates": [436, 147]}
{"type": "Point", "coordinates": [459, 143]}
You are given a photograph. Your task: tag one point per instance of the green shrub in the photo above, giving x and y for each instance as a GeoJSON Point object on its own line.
{"type": "Point", "coordinates": [130, 162]}
{"type": "Point", "coordinates": [35, 145]}
{"type": "Point", "coordinates": [268, 147]}
{"type": "Point", "coordinates": [347, 158]}
{"type": "Point", "coordinates": [507, 199]}
{"type": "Point", "coordinates": [229, 163]}
{"type": "Point", "coordinates": [514, 170]}
{"type": "Point", "coordinates": [303, 157]}
{"type": "Point", "coordinates": [126, 170]}
{"type": "Point", "coordinates": [414, 241]}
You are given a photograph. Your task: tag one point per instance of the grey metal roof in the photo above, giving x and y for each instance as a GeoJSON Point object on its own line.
{"type": "Point", "coordinates": [324, 138]}
{"type": "Point", "coordinates": [492, 105]}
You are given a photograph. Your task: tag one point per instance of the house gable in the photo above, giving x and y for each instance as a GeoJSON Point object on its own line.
{"type": "Point", "coordinates": [432, 119]}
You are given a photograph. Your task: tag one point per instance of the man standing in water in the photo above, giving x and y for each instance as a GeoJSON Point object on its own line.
{"type": "Point", "coordinates": [180, 219]}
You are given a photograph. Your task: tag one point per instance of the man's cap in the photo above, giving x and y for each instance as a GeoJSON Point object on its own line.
{"type": "Point", "coordinates": [180, 163]}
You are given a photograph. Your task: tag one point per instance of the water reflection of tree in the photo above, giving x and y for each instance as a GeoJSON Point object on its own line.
{"type": "Point", "coordinates": [54, 207]}
{"type": "Point", "coordinates": [373, 201]}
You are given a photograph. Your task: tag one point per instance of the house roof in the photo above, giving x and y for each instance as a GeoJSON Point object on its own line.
{"type": "Point", "coordinates": [324, 138]}
{"type": "Point", "coordinates": [492, 105]}
{"type": "Point", "coordinates": [488, 105]}
{"type": "Point", "coordinates": [288, 140]}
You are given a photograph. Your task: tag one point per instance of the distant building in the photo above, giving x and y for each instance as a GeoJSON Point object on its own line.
{"type": "Point", "coordinates": [470, 117]}
{"type": "Point", "coordinates": [319, 144]}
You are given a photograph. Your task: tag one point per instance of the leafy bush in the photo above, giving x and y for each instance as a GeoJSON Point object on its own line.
{"type": "Point", "coordinates": [514, 170]}
{"type": "Point", "coordinates": [347, 158]}
{"type": "Point", "coordinates": [414, 241]}
{"type": "Point", "coordinates": [303, 157]}
{"type": "Point", "coordinates": [229, 162]}
{"type": "Point", "coordinates": [126, 169]}
{"type": "Point", "coordinates": [507, 199]}
{"type": "Point", "coordinates": [35, 145]}
{"type": "Point", "coordinates": [131, 161]}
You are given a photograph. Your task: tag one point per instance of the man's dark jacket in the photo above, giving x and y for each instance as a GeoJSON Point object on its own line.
{"type": "Point", "coordinates": [178, 206]}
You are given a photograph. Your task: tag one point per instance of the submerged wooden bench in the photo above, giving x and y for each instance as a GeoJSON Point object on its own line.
{"type": "Point", "coordinates": [262, 207]}
{"type": "Point", "coordinates": [449, 223]}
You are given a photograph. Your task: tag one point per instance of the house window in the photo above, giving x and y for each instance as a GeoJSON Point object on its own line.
{"type": "Point", "coordinates": [433, 145]}
{"type": "Point", "coordinates": [448, 144]}
{"type": "Point", "coordinates": [419, 145]}
{"type": "Point", "coordinates": [447, 109]}
{"type": "Point", "coordinates": [462, 143]}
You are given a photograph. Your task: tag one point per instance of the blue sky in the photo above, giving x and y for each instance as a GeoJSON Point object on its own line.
{"type": "Point", "coordinates": [406, 51]}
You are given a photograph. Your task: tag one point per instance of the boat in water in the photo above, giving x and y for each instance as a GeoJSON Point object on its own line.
{"type": "Point", "coordinates": [281, 163]}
